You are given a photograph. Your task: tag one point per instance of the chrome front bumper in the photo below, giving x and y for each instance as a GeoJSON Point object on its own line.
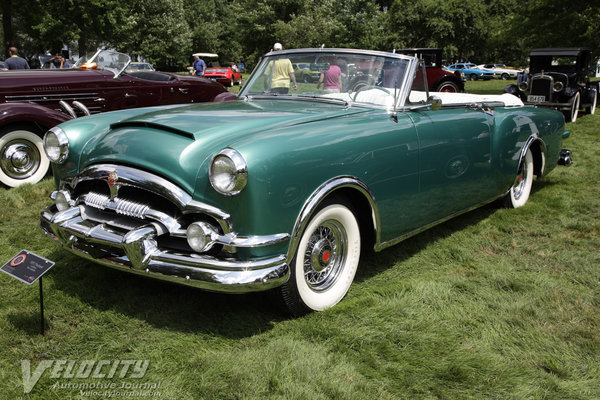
{"type": "Point", "coordinates": [136, 251]}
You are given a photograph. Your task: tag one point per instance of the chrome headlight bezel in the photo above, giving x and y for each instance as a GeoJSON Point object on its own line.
{"type": "Point", "coordinates": [228, 172]}
{"type": "Point", "coordinates": [558, 86]}
{"type": "Point", "coordinates": [56, 145]}
{"type": "Point", "coordinates": [523, 86]}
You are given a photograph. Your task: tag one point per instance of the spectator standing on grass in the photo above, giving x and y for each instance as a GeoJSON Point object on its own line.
{"type": "Point", "coordinates": [279, 73]}
{"type": "Point", "coordinates": [199, 66]}
{"type": "Point", "coordinates": [331, 79]}
{"type": "Point", "coordinates": [14, 61]}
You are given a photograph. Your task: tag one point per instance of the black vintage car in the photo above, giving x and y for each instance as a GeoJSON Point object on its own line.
{"type": "Point", "coordinates": [559, 78]}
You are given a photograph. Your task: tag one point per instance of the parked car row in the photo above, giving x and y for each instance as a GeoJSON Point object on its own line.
{"type": "Point", "coordinates": [501, 71]}
{"type": "Point", "coordinates": [471, 71]}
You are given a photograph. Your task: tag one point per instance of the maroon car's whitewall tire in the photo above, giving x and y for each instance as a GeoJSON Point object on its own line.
{"type": "Point", "coordinates": [22, 157]}
{"type": "Point", "coordinates": [519, 193]}
{"type": "Point", "coordinates": [326, 261]}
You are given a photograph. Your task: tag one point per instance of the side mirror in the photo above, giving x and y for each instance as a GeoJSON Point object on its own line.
{"type": "Point", "coordinates": [434, 102]}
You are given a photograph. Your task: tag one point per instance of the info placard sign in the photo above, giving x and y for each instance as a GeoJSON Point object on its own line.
{"type": "Point", "coordinates": [27, 267]}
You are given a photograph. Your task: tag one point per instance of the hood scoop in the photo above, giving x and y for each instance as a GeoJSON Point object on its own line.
{"type": "Point", "coordinates": [151, 125]}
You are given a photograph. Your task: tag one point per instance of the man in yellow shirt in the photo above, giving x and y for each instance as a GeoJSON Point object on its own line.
{"type": "Point", "coordinates": [279, 73]}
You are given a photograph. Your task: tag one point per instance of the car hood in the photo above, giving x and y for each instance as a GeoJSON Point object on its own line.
{"type": "Point", "coordinates": [180, 142]}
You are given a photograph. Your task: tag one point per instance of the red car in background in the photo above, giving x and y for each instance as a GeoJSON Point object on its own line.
{"type": "Point", "coordinates": [33, 101]}
{"type": "Point", "coordinates": [438, 80]}
{"type": "Point", "coordinates": [225, 75]}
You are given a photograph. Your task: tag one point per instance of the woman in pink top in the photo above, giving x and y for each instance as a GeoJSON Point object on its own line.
{"type": "Point", "coordinates": [331, 79]}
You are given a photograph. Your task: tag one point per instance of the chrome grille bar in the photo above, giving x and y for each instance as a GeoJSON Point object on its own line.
{"type": "Point", "coordinates": [120, 206]}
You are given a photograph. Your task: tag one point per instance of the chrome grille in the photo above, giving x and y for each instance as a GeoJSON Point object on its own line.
{"type": "Point", "coordinates": [120, 206]}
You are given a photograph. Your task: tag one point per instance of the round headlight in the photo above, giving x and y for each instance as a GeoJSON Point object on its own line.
{"type": "Point", "coordinates": [228, 172]}
{"type": "Point", "coordinates": [56, 145]}
{"type": "Point", "coordinates": [523, 86]}
{"type": "Point", "coordinates": [558, 86]}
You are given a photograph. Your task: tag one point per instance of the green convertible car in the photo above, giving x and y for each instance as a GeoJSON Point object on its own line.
{"type": "Point", "coordinates": [280, 189]}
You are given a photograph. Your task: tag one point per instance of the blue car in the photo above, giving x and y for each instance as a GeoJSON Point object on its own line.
{"type": "Point", "coordinates": [471, 71]}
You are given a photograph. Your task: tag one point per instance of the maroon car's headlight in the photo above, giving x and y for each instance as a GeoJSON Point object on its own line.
{"type": "Point", "coordinates": [56, 145]}
{"type": "Point", "coordinates": [228, 172]}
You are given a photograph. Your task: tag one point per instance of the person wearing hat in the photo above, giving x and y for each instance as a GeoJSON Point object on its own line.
{"type": "Point", "coordinates": [279, 73]}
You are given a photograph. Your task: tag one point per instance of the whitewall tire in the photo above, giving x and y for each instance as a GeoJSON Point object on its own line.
{"type": "Point", "coordinates": [571, 114]}
{"type": "Point", "coordinates": [520, 191]}
{"type": "Point", "coordinates": [325, 262]}
{"type": "Point", "coordinates": [22, 157]}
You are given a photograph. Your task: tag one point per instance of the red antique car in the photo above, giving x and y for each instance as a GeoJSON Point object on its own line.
{"type": "Point", "coordinates": [225, 75]}
{"type": "Point", "coordinates": [32, 101]}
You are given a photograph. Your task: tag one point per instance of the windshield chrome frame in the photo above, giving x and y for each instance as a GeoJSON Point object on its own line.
{"type": "Point", "coordinates": [404, 86]}
{"type": "Point", "coordinates": [116, 72]}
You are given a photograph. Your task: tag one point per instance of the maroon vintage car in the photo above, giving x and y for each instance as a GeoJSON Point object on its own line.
{"type": "Point", "coordinates": [438, 80]}
{"type": "Point", "coordinates": [33, 101]}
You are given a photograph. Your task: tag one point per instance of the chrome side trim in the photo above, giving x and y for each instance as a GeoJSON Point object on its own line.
{"type": "Point", "coordinates": [319, 195]}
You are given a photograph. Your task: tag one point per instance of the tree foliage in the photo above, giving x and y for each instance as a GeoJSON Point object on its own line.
{"type": "Point", "coordinates": [167, 32]}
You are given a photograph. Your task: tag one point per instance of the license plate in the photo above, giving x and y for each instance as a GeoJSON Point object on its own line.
{"type": "Point", "coordinates": [536, 99]}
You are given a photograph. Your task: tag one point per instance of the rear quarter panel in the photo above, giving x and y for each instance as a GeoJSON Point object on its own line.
{"type": "Point", "coordinates": [513, 129]}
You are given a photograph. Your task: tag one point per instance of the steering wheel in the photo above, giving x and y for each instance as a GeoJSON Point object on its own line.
{"type": "Point", "coordinates": [367, 87]}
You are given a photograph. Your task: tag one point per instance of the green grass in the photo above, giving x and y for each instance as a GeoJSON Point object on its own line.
{"type": "Point", "coordinates": [496, 303]}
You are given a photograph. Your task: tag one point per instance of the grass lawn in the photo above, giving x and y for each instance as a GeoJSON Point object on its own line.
{"type": "Point", "coordinates": [496, 303]}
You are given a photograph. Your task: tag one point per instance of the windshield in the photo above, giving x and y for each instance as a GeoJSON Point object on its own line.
{"type": "Point", "coordinates": [105, 59]}
{"type": "Point", "coordinates": [348, 76]}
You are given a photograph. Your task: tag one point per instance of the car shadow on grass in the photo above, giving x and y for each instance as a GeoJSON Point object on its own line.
{"type": "Point", "coordinates": [164, 304]}
{"type": "Point", "coordinates": [373, 263]}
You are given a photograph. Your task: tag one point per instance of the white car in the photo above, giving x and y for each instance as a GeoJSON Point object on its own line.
{"type": "Point", "coordinates": [501, 71]}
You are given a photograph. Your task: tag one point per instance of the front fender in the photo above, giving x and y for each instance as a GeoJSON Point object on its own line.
{"type": "Point", "coordinates": [44, 117]}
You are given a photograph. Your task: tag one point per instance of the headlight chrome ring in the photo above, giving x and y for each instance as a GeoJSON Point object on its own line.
{"type": "Point", "coordinates": [228, 172]}
{"type": "Point", "coordinates": [558, 86]}
{"type": "Point", "coordinates": [523, 86]}
{"type": "Point", "coordinates": [56, 145]}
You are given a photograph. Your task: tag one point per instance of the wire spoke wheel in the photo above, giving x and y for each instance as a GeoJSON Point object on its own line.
{"type": "Point", "coordinates": [325, 261]}
{"type": "Point", "coordinates": [325, 255]}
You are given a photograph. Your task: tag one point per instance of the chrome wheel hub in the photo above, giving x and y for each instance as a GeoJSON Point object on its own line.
{"type": "Point", "coordinates": [325, 255]}
{"type": "Point", "coordinates": [20, 159]}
